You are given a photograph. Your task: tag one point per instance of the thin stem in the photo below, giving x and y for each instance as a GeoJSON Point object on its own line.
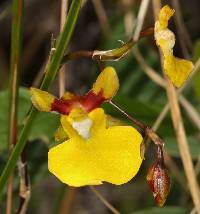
{"type": "Point", "coordinates": [9, 195]}
{"type": "Point", "coordinates": [104, 201]}
{"type": "Point", "coordinates": [182, 32]}
{"type": "Point", "coordinates": [191, 111]}
{"type": "Point", "coordinates": [153, 75]}
{"type": "Point", "coordinates": [15, 62]}
{"type": "Point", "coordinates": [63, 14]}
{"type": "Point", "coordinates": [161, 117]}
{"type": "Point", "coordinates": [107, 55]}
{"type": "Point", "coordinates": [62, 43]}
{"type": "Point", "coordinates": [102, 16]}
{"type": "Point", "coordinates": [197, 166]}
{"type": "Point", "coordinates": [180, 131]}
{"type": "Point", "coordinates": [52, 70]}
{"type": "Point", "coordinates": [149, 71]}
{"type": "Point", "coordinates": [174, 169]}
{"type": "Point", "coordinates": [68, 200]}
{"type": "Point", "coordinates": [140, 18]}
{"type": "Point", "coordinates": [135, 121]}
{"type": "Point", "coordinates": [25, 190]}
{"type": "Point", "coordinates": [147, 130]}
{"type": "Point", "coordinates": [6, 11]}
{"type": "Point", "coordinates": [188, 107]}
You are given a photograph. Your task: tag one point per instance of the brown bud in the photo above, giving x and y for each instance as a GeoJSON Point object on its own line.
{"type": "Point", "coordinates": [158, 180]}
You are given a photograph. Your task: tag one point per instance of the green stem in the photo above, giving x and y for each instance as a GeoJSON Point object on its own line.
{"type": "Point", "coordinates": [108, 55]}
{"type": "Point", "coordinates": [16, 43]}
{"type": "Point", "coordinates": [62, 43]}
{"type": "Point", "coordinates": [52, 70]}
{"type": "Point", "coordinates": [15, 62]}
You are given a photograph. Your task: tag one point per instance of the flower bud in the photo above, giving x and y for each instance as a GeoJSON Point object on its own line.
{"type": "Point", "coordinates": [159, 181]}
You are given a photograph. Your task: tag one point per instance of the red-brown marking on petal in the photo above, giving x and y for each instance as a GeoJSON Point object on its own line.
{"type": "Point", "coordinates": [61, 106]}
{"type": "Point", "coordinates": [91, 100]}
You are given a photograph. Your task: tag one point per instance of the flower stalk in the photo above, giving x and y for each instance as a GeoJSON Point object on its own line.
{"type": "Point", "coordinates": [107, 55]}
{"type": "Point", "coordinates": [145, 129]}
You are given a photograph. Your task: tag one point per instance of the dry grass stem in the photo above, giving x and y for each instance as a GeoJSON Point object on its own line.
{"type": "Point", "coordinates": [129, 18]}
{"type": "Point", "coordinates": [160, 81]}
{"type": "Point", "coordinates": [102, 17]}
{"type": "Point", "coordinates": [68, 200]}
{"type": "Point", "coordinates": [62, 72]}
{"type": "Point", "coordinates": [175, 170]}
{"type": "Point", "coordinates": [104, 201]}
{"type": "Point", "coordinates": [183, 145]}
{"type": "Point", "coordinates": [9, 195]}
{"type": "Point", "coordinates": [193, 211]}
{"type": "Point", "coordinates": [140, 18]}
{"type": "Point", "coordinates": [147, 69]}
{"type": "Point", "coordinates": [24, 190]}
{"type": "Point", "coordinates": [5, 11]}
{"type": "Point", "coordinates": [197, 166]}
{"type": "Point", "coordinates": [160, 117]}
{"type": "Point", "coordinates": [191, 111]}
{"type": "Point", "coordinates": [180, 131]}
{"type": "Point", "coordinates": [182, 32]}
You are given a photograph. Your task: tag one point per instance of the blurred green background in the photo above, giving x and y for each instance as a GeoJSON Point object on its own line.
{"type": "Point", "coordinates": [138, 95]}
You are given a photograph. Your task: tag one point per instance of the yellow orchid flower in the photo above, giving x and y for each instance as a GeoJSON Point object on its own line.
{"type": "Point", "coordinates": [178, 70]}
{"type": "Point", "coordinates": [94, 149]}
{"type": "Point", "coordinates": [111, 155]}
{"type": "Point", "coordinates": [103, 90]}
{"type": "Point", "coordinates": [61, 135]}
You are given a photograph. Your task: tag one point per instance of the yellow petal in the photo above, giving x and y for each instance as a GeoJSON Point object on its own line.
{"type": "Point", "coordinates": [177, 69]}
{"type": "Point", "coordinates": [42, 100]}
{"type": "Point", "coordinates": [99, 121]}
{"type": "Point", "coordinates": [111, 155]}
{"type": "Point", "coordinates": [77, 114]}
{"type": "Point", "coordinates": [165, 39]}
{"type": "Point", "coordinates": [70, 131]}
{"type": "Point", "coordinates": [165, 14]}
{"type": "Point", "coordinates": [67, 96]}
{"type": "Point", "coordinates": [97, 116]}
{"type": "Point", "coordinates": [107, 83]}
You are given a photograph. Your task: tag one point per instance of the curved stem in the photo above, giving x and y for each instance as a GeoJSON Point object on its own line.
{"type": "Point", "coordinates": [107, 55]}
{"type": "Point", "coordinates": [180, 130]}
{"type": "Point", "coordinates": [147, 130]}
{"type": "Point", "coordinates": [104, 201]}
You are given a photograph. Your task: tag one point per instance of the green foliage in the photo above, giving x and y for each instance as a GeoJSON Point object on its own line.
{"type": "Point", "coordinates": [164, 210]}
{"type": "Point", "coordinates": [138, 95]}
{"type": "Point", "coordinates": [49, 77]}
{"type": "Point", "coordinates": [44, 125]}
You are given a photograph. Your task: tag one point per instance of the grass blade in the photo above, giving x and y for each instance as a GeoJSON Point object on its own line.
{"type": "Point", "coordinates": [52, 70]}
{"type": "Point", "coordinates": [15, 62]}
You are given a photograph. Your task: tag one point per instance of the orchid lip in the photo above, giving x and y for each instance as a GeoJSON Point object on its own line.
{"type": "Point", "coordinates": [83, 127]}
